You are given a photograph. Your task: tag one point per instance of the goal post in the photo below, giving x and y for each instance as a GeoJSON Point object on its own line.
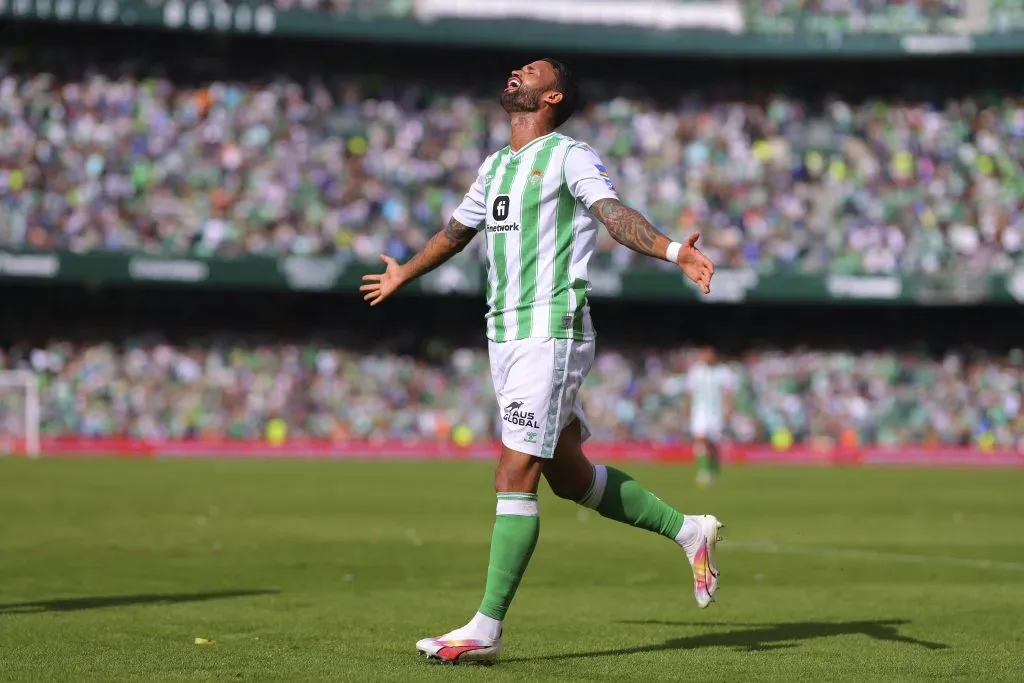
{"type": "Point", "coordinates": [19, 413]}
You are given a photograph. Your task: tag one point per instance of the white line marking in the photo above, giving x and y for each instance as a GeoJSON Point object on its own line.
{"type": "Point", "coordinates": [642, 577]}
{"type": "Point", "coordinates": [820, 551]}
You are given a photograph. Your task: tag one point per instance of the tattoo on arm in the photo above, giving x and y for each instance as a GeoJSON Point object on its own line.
{"type": "Point", "coordinates": [458, 234]}
{"type": "Point", "coordinates": [442, 246]}
{"type": "Point", "coordinates": [630, 228]}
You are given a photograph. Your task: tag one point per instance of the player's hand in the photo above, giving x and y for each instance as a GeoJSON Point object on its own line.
{"type": "Point", "coordinates": [696, 265]}
{"type": "Point", "coordinates": [380, 286]}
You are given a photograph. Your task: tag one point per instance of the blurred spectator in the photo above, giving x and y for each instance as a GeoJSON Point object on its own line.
{"type": "Point", "coordinates": [855, 16]}
{"type": "Point", "coordinates": [1006, 15]}
{"type": "Point", "coordinates": [359, 8]}
{"type": "Point", "coordinates": [235, 390]}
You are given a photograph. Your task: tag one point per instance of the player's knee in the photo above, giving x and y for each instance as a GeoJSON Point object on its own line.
{"type": "Point", "coordinates": [517, 473]}
{"type": "Point", "coordinates": [569, 475]}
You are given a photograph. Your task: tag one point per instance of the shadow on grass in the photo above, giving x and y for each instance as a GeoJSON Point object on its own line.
{"type": "Point", "coordinates": [759, 637]}
{"type": "Point", "coordinates": [98, 602]}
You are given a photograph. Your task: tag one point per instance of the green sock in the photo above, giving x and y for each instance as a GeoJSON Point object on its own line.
{"type": "Point", "coordinates": [616, 495]}
{"type": "Point", "coordinates": [715, 460]}
{"type": "Point", "coordinates": [516, 528]}
{"type": "Point", "coordinates": [703, 457]}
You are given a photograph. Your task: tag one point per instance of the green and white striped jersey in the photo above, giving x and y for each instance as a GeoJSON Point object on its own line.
{"type": "Point", "coordinates": [534, 206]}
{"type": "Point", "coordinates": [708, 385]}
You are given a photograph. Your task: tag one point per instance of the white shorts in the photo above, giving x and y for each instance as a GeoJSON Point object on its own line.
{"type": "Point", "coordinates": [537, 383]}
{"type": "Point", "coordinates": [704, 426]}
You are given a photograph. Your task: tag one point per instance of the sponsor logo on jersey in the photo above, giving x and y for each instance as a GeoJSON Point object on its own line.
{"type": "Point", "coordinates": [503, 227]}
{"type": "Point", "coordinates": [500, 207]}
{"type": "Point", "coordinates": [603, 172]}
{"type": "Point", "coordinates": [515, 415]}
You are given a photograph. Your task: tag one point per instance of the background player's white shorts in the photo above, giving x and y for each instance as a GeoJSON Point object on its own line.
{"type": "Point", "coordinates": [537, 382]}
{"type": "Point", "coordinates": [706, 426]}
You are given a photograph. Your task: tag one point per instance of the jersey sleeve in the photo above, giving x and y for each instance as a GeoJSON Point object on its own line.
{"type": "Point", "coordinates": [472, 212]}
{"type": "Point", "coordinates": [586, 176]}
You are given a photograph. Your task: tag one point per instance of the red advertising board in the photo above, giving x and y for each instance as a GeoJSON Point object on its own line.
{"type": "Point", "coordinates": [962, 456]}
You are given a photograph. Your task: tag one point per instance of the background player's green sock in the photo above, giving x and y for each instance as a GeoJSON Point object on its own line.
{"type": "Point", "coordinates": [616, 495]}
{"type": "Point", "coordinates": [715, 460]}
{"type": "Point", "coordinates": [703, 456]}
{"type": "Point", "coordinates": [516, 529]}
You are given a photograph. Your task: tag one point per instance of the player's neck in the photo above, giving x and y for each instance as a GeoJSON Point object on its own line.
{"type": "Point", "coordinates": [526, 127]}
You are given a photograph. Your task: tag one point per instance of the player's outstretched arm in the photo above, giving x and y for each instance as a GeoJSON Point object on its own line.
{"type": "Point", "coordinates": [441, 247]}
{"type": "Point", "coordinates": [630, 228]}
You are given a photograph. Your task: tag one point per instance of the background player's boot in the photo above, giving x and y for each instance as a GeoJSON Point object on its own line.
{"type": "Point", "coordinates": [462, 646]}
{"type": "Point", "coordinates": [699, 544]}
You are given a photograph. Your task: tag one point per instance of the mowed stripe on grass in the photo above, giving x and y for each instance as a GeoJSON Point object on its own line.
{"type": "Point", "coordinates": [313, 570]}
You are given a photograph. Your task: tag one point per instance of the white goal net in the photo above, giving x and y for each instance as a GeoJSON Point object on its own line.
{"type": "Point", "coordinates": [19, 413]}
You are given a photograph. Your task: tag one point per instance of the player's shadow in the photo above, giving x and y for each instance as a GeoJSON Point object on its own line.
{"type": "Point", "coordinates": [98, 602]}
{"type": "Point", "coordinates": [762, 637]}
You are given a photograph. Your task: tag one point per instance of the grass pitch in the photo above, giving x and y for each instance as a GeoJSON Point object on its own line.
{"type": "Point", "coordinates": [302, 571]}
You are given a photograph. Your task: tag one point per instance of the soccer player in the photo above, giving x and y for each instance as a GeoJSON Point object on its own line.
{"type": "Point", "coordinates": [710, 386]}
{"type": "Point", "coordinates": [538, 202]}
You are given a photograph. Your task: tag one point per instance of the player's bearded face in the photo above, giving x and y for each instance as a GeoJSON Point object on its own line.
{"type": "Point", "coordinates": [521, 99]}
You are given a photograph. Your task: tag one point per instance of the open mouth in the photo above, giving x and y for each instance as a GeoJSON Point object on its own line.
{"type": "Point", "coordinates": [512, 83]}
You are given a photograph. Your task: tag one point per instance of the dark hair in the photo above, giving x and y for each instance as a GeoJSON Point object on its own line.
{"type": "Point", "coordinates": [565, 84]}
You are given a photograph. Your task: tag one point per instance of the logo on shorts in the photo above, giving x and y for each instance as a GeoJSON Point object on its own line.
{"type": "Point", "coordinates": [531, 437]}
{"type": "Point", "coordinates": [520, 418]}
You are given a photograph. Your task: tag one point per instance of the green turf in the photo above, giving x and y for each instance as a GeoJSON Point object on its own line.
{"type": "Point", "coordinates": [300, 570]}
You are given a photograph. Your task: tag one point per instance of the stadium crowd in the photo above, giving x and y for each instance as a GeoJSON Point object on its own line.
{"type": "Point", "coordinates": [833, 17]}
{"type": "Point", "coordinates": [231, 389]}
{"type": "Point", "coordinates": [854, 16]}
{"type": "Point", "coordinates": [106, 161]}
{"type": "Point", "coordinates": [773, 16]}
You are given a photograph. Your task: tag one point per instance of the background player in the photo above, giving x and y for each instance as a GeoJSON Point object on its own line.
{"type": "Point", "coordinates": [710, 386]}
{"type": "Point", "coordinates": [537, 200]}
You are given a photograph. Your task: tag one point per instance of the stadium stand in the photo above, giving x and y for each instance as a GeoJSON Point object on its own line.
{"type": "Point", "coordinates": [230, 389]}
{"type": "Point", "coordinates": [96, 160]}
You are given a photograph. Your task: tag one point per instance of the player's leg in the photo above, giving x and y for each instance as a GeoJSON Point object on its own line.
{"type": "Point", "coordinates": [615, 495]}
{"type": "Point", "coordinates": [522, 373]}
{"type": "Point", "coordinates": [513, 538]}
{"type": "Point", "coordinates": [706, 430]}
{"type": "Point", "coordinates": [702, 454]}
{"type": "Point", "coordinates": [714, 457]}
{"type": "Point", "coordinates": [699, 428]}
{"type": "Point", "coordinates": [607, 490]}
{"type": "Point", "coordinates": [516, 529]}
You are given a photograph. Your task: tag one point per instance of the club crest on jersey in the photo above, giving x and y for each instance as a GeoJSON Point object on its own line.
{"type": "Point", "coordinates": [515, 415]}
{"type": "Point", "coordinates": [536, 176]}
